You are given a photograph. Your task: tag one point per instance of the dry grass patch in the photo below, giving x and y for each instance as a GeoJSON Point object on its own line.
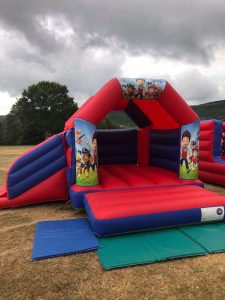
{"type": "Point", "coordinates": [7, 156]}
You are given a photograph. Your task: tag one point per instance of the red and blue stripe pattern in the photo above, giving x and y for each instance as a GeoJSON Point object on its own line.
{"type": "Point", "coordinates": [211, 165]}
{"type": "Point", "coordinates": [132, 210]}
{"type": "Point", "coordinates": [36, 166]}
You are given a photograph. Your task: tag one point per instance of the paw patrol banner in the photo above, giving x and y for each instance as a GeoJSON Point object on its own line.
{"type": "Point", "coordinates": [189, 151]}
{"type": "Point", "coordinates": [86, 153]}
{"type": "Point", "coordinates": [142, 88]}
{"type": "Point", "coordinates": [223, 145]}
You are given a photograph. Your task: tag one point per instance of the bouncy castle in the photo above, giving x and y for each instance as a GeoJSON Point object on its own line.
{"type": "Point", "coordinates": [126, 179]}
{"type": "Point", "coordinates": [223, 142]}
{"type": "Point", "coordinates": [212, 152]}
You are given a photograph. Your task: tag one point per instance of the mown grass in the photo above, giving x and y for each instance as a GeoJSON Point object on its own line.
{"type": "Point", "coordinates": [81, 276]}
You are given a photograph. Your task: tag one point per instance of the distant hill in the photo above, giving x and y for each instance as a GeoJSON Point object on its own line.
{"type": "Point", "coordinates": [211, 110]}
{"type": "Point", "coordinates": [119, 119]}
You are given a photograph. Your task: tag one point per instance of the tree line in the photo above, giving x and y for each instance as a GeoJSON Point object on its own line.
{"type": "Point", "coordinates": [40, 112]}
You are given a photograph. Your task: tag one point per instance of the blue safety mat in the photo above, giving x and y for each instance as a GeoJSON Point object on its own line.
{"type": "Point", "coordinates": [58, 238]}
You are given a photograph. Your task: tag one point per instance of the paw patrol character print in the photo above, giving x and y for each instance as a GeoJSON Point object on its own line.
{"type": "Point", "coordinates": [154, 91]}
{"type": "Point", "coordinates": [223, 144]}
{"type": "Point", "coordinates": [194, 155]}
{"type": "Point", "coordinates": [141, 88]}
{"type": "Point", "coordinates": [185, 151]}
{"type": "Point", "coordinates": [130, 92]}
{"type": "Point", "coordinates": [86, 161]}
{"type": "Point", "coordinates": [94, 156]}
{"type": "Point", "coordinates": [78, 137]}
{"type": "Point", "coordinates": [79, 166]}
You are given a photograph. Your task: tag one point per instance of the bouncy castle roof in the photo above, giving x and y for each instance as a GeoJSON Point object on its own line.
{"type": "Point", "coordinates": [147, 101]}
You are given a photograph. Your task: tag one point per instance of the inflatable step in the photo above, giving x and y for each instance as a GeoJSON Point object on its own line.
{"type": "Point", "coordinates": [125, 211]}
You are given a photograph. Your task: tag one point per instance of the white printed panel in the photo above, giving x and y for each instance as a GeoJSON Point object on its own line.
{"type": "Point", "coordinates": [215, 213]}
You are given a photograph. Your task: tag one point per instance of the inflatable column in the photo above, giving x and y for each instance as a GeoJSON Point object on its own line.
{"type": "Point", "coordinates": [86, 153]}
{"type": "Point", "coordinates": [189, 151]}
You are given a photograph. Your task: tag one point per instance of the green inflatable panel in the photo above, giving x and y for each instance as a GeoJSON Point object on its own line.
{"type": "Point", "coordinates": [210, 236]}
{"type": "Point", "coordinates": [146, 247]}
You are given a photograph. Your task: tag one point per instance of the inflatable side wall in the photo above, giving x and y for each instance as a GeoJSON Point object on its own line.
{"type": "Point", "coordinates": [223, 143]}
{"type": "Point", "coordinates": [211, 165]}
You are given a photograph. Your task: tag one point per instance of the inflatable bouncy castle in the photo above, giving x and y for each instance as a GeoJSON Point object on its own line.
{"type": "Point", "coordinates": [223, 142]}
{"type": "Point", "coordinates": [126, 179]}
{"type": "Point", "coordinates": [211, 155]}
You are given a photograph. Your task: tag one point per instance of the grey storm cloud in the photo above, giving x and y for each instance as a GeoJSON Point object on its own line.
{"type": "Point", "coordinates": [66, 49]}
{"type": "Point", "coordinates": [180, 29]}
{"type": "Point", "coordinates": [198, 89]}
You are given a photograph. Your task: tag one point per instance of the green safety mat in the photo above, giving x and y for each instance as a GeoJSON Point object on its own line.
{"type": "Point", "coordinates": [146, 247]}
{"type": "Point", "coordinates": [210, 236]}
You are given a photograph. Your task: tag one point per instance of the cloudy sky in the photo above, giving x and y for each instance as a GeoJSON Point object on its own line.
{"type": "Point", "coordinates": [84, 43]}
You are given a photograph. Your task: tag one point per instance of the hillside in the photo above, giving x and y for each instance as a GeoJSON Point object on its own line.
{"type": "Point", "coordinates": [211, 110]}
{"type": "Point", "coordinates": [119, 119]}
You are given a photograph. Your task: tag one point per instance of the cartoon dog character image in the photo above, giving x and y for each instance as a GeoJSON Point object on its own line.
{"type": "Point", "coordinates": [151, 90]}
{"type": "Point", "coordinates": [154, 91]}
{"type": "Point", "coordinates": [79, 166]}
{"type": "Point", "coordinates": [78, 137]}
{"type": "Point", "coordinates": [223, 144]}
{"type": "Point", "coordinates": [141, 88]}
{"type": "Point", "coordinates": [86, 161]}
{"type": "Point", "coordinates": [194, 155]}
{"type": "Point", "coordinates": [130, 92]}
{"type": "Point", "coordinates": [194, 158]}
{"type": "Point", "coordinates": [94, 156]}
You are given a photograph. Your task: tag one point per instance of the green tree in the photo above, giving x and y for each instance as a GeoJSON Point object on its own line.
{"type": "Point", "coordinates": [1, 134]}
{"type": "Point", "coordinates": [106, 124]}
{"type": "Point", "coordinates": [10, 130]}
{"type": "Point", "coordinates": [39, 113]}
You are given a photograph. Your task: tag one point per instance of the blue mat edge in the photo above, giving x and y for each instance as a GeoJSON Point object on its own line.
{"type": "Point", "coordinates": [34, 258]}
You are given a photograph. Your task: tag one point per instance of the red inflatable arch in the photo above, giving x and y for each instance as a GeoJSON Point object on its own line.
{"type": "Point", "coordinates": [169, 111]}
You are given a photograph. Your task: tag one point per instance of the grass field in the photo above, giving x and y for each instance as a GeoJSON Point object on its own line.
{"type": "Point", "coordinates": [81, 276]}
{"type": "Point", "coordinates": [193, 174]}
